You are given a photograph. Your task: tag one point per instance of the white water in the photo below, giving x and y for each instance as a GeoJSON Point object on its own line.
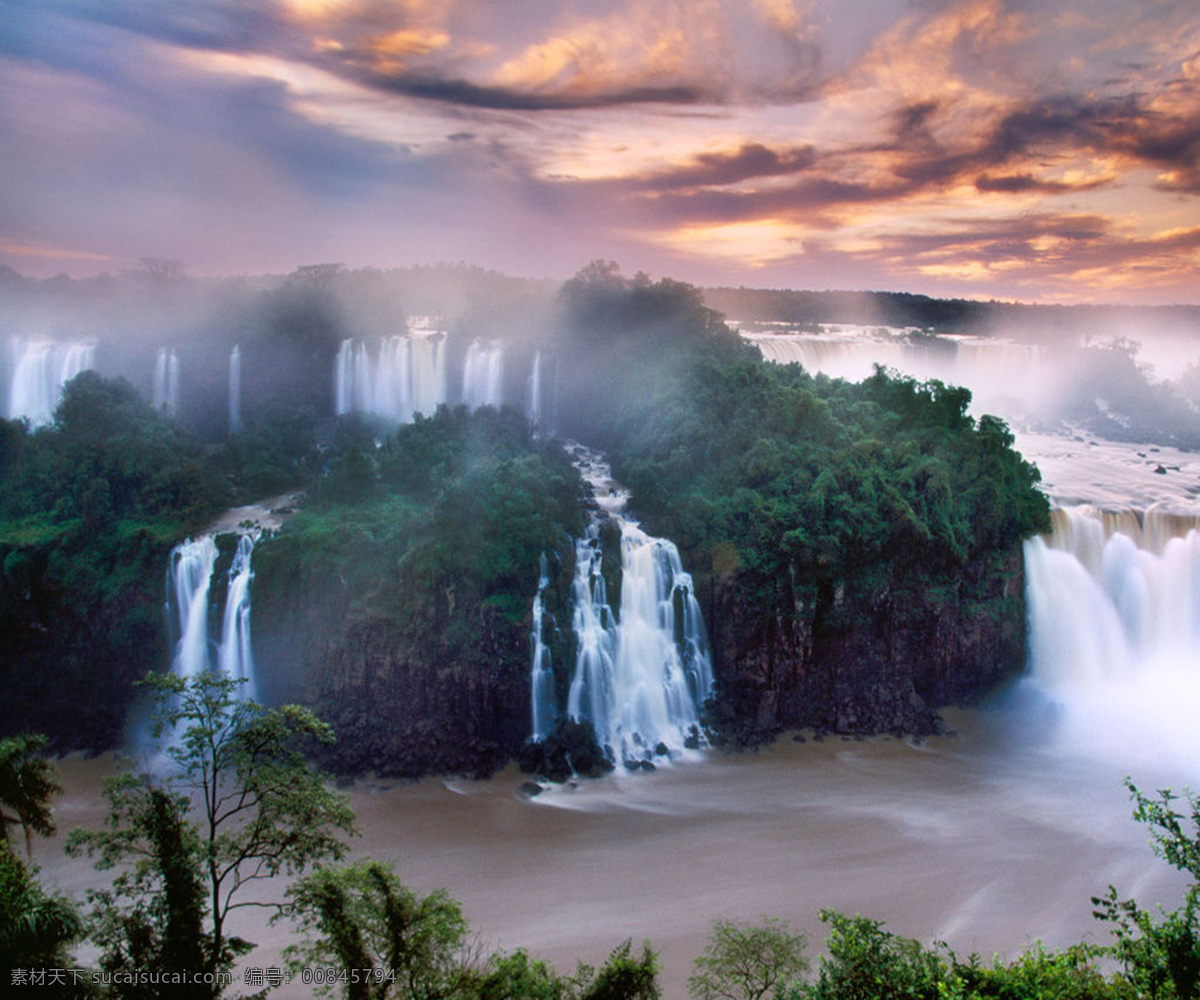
{"type": "Point", "coordinates": [166, 381]}
{"type": "Point", "coordinates": [542, 393]}
{"type": "Point", "coordinates": [1114, 624]}
{"type": "Point", "coordinates": [542, 687]}
{"type": "Point", "coordinates": [483, 375]}
{"type": "Point", "coordinates": [642, 673]}
{"type": "Point", "coordinates": [1008, 378]}
{"type": "Point", "coordinates": [189, 580]}
{"type": "Point", "coordinates": [402, 376]}
{"type": "Point", "coordinates": [234, 657]}
{"type": "Point", "coordinates": [235, 389]}
{"type": "Point", "coordinates": [40, 369]}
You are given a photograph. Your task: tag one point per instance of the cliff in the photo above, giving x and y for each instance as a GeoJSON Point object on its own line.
{"type": "Point", "coordinates": [848, 665]}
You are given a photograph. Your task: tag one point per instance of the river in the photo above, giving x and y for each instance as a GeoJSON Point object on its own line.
{"type": "Point", "coordinates": [989, 839]}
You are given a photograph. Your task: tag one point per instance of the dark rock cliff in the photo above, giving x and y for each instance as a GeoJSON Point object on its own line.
{"type": "Point", "coordinates": [444, 686]}
{"type": "Point", "coordinates": [859, 666]}
{"type": "Point", "coordinates": [430, 680]}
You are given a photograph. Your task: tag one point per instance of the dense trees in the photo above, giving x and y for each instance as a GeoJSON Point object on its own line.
{"type": "Point", "coordinates": [89, 508]}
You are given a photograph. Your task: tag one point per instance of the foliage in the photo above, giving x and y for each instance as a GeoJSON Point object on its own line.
{"type": "Point", "coordinates": [623, 976]}
{"type": "Point", "coordinates": [391, 942]}
{"type": "Point", "coordinates": [239, 804]}
{"type": "Point", "coordinates": [89, 508]}
{"type": "Point", "coordinates": [1037, 974]}
{"type": "Point", "coordinates": [35, 928]}
{"type": "Point", "coordinates": [748, 962]}
{"type": "Point", "coordinates": [803, 487]}
{"type": "Point", "coordinates": [1160, 953]}
{"type": "Point", "coordinates": [27, 783]}
{"type": "Point", "coordinates": [865, 962]}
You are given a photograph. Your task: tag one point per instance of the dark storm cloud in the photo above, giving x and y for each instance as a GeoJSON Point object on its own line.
{"type": "Point", "coordinates": [751, 161]}
{"type": "Point", "coordinates": [1022, 183]}
{"type": "Point", "coordinates": [466, 94]}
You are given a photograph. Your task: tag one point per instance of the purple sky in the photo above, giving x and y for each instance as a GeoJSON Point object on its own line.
{"type": "Point", "coordinates": [991, 148]}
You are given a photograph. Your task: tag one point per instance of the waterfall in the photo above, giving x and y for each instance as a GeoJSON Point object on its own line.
{"type": "Point", "coordinates": [190, 609]}
{"type": "Point", "coordinates": [234, 656]}
{"type": "Point", "coordinates": [40, 370]}
{"type": "Point", "coordinates": [188, 583]}
{"type": "Point", "coordinates": [541, 389]}
{"type": "Point", "coordinates": [403, 376]}
{"type": "Point", "coordinates": [235, 390]}
{"type": "Point", "coordinates": [542, 687]}
{"type": "Point", "coordinates": [1113, 601]}
{"type": "Point", "coordinates": [483, 375]}
{"type": "Point", "coordinates": [166, 381]}
{"type": "Point", "coordinates": [641, 673]}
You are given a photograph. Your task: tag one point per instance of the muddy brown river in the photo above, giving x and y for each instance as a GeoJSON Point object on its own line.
{"type": "Point", "coordinates": [989, 840]}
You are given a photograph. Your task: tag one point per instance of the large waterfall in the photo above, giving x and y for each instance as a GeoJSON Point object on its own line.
{"type": "Point", "coordinates": [402, 376]}
{"type": "Point", "coordinates": [1114, 615]}
{"type": "Point", "coordinates": [641, 673]}
{"type": "Point", "coordinates": [192, 611]}
{"type": "Point", "coordinates": [40, 368]}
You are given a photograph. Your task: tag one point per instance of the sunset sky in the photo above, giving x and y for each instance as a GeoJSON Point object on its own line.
{"type": "Point", "coordinates": [986, 148]}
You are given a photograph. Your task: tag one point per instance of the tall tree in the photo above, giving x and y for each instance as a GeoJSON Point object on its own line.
{"type": "Point", "coordinates": [238, 804]}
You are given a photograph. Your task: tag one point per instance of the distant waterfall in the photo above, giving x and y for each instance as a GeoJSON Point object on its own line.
{"type": "Point", "coordinates": [189, 580]}
{"type": "Point", "coordinates": [483, 375]}
{"type": "Point", "coordinates": [1114, 638]}
{"type": "Point", "coordinates": [541, 393]}
{"type": "Point", "coordinates": [40, 369]}
{"type": "Point", "coordinates": [642, 673]}
{"type": "Point", "coordinates": [235, 390]}
{"type": "Point", "coordinates": [403, 376]}
{"type": "Point", "coordinates": [166, 381]}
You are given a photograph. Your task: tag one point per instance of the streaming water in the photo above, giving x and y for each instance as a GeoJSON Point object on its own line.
{"type": "Point", "coordinates": [39, 370]}
{"type": "Point", "coordinates": [642, 673]}
{"type": "Point", "coordinates": [403, 375]}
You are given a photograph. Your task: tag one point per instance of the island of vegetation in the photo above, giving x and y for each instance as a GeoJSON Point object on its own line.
{"type": "Point", "coordinates": [855, 547]}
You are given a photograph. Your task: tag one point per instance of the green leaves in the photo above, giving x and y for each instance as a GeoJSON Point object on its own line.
{"type": "Point", "coordinates": [1160, 952]}
{"type": "Point", "coordinates": [239, 804]}
{"type": "Point", "coordinates": [27, 783]}
{"type": "Point", "coordinates": [748, 962]}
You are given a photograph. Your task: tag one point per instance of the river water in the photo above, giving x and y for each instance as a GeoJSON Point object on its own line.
{"type": "Point", "coordinates": [989, 839]}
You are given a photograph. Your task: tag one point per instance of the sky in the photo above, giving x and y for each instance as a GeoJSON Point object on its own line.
{"type": "Point", "coordinates": [1010, 149]}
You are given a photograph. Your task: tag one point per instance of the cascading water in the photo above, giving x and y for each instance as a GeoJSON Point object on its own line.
{"type": "Point", "coordinates": [40, 369]}
{"type": "Point", "coordinates": [1114, 631]}
{"type": "Point", "coordinates": [541, 392]}
{"type": "Point", "coordinates": [542, 687]}
{"type": "Point", "coordinates": [405, 375]}
{"type": "Point", "coordinates": [166, 381]}
{"type": "Point", "coordinates": [483, 375]}
{"type": "Point", "coordinates": [189, 580]}
{"type": "Point", "coordinates": [641, 674]}
{"type": "Point", "coordinates": [235, 389]}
